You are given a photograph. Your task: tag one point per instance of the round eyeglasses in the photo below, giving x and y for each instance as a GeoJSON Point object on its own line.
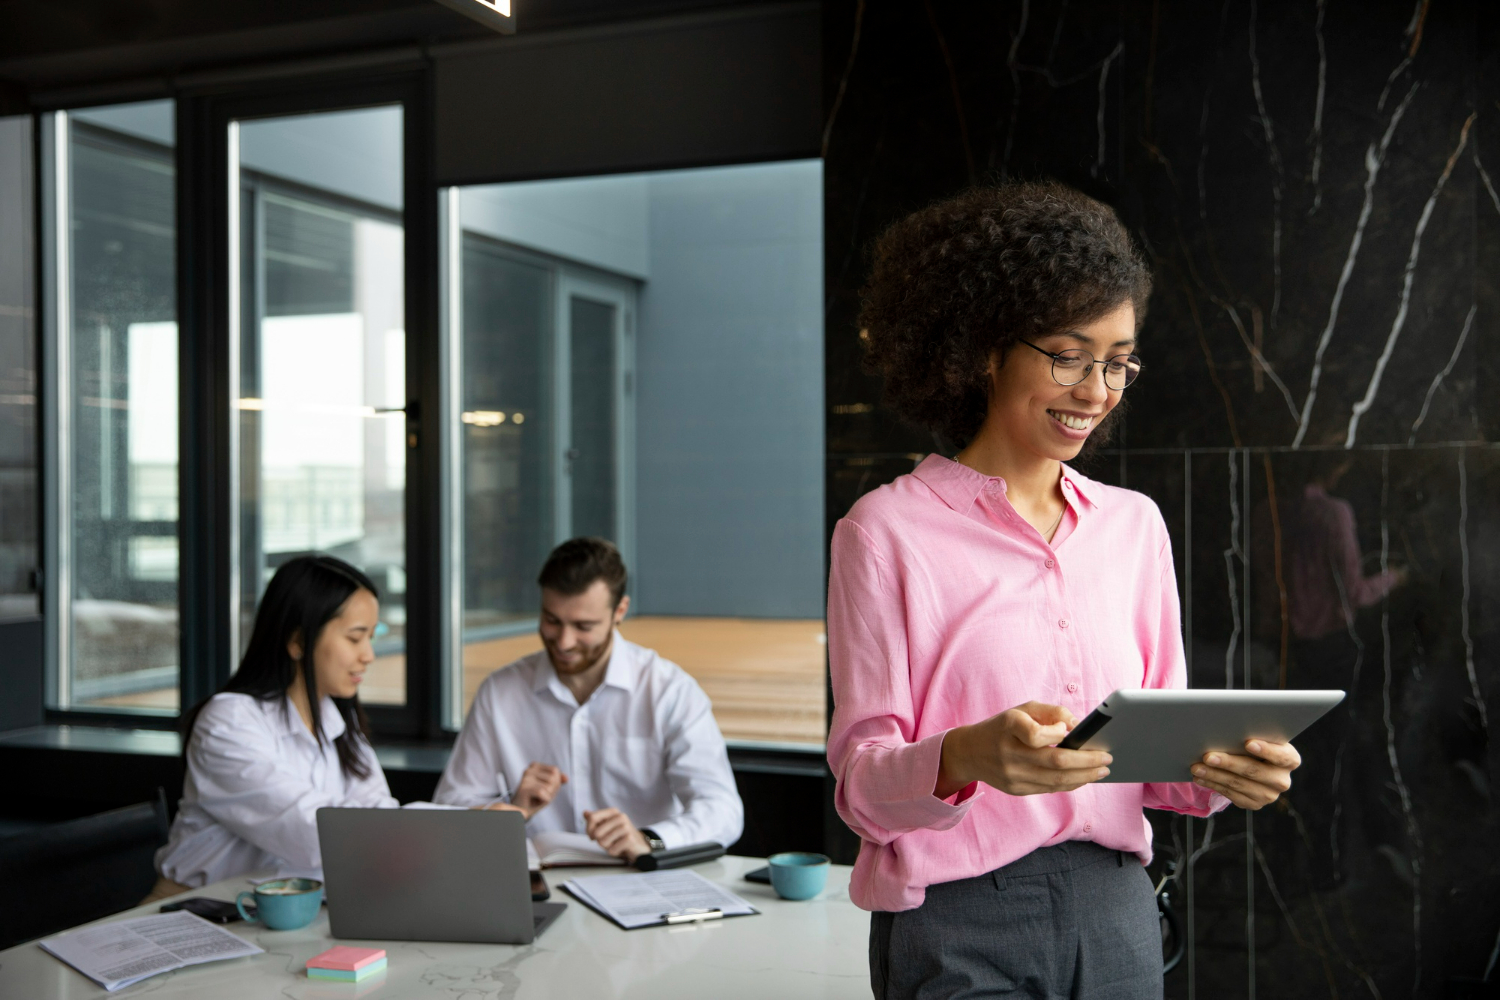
{"type": "Point", "coordinates": [1073, 366]}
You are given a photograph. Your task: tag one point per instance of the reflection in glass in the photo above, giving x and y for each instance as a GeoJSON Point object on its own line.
{"type": "Point", "coordinates": [18, 513]}
{"type": "Point", "coordinates": [507, 433]}
{"type": "Point", "coordinates": [116, 179]}
{"type": "Point", "coordinates": [591, 459]}
{"type": "Point", "coordinates": [322, 360]}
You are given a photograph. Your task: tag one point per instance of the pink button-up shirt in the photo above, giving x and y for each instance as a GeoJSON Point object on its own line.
{"type": "Point", "coordinates": [945, 607]}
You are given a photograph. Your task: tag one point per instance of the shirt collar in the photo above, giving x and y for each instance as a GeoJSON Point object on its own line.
{"type": "Point", "coordinates": [623, 671]}
{"type": "Point", "coordinates": [959, 486]}
{"type": "Point", "coordinates": [291, 723]}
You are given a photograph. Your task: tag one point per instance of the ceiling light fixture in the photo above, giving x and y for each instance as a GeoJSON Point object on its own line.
{"type": "Point", "coordinates": [491, 13]}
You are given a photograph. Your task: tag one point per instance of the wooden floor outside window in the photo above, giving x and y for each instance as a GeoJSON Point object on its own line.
{"type": "Point", "coordinates": [764, 677]}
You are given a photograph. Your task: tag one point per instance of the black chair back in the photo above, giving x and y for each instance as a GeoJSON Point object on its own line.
{"type": "Point", "coordinates": [68, 873]}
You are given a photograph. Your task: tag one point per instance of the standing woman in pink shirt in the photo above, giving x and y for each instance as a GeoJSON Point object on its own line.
{"type": "Point", "coordinates": [978, 608]}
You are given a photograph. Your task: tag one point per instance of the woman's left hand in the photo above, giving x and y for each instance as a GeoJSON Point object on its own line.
{"type": "Point", "coordinates": [1253, 781]}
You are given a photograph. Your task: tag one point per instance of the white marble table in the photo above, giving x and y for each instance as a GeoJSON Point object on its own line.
{"type": "Point", "coordinates": [813, 949]}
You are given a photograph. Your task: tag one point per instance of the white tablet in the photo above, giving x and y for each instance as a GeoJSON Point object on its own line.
{"type": "Point", "coordinates": [1159, 735]}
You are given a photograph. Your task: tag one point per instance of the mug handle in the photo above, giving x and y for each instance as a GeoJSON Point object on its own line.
{"type": "Point", "coordinates": [239, 904]}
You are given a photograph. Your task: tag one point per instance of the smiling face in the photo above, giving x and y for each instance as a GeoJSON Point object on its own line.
{"type": "Point", "coordinates": [577, 628]}
{"type": "Point", "coordinates": [1033, 414]}
{"type": "Point", "coordinates": [344, 649]}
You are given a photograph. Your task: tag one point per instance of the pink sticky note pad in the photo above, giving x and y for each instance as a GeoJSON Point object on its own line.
{"type": "Point", "coordinates": [346, 958]}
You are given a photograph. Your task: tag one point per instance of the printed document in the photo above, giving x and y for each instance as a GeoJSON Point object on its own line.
{"type": "Point", "coordinates": [646, 898]}
{"type": "Point", "coordinates": [119, 954]}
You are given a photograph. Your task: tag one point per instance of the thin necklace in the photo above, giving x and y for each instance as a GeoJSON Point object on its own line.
{"type": "Point", "coordinates": [1048, 533]}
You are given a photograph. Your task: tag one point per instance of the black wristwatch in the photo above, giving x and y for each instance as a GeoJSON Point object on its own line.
{"type": "Point", "coordinates": [653, 842]}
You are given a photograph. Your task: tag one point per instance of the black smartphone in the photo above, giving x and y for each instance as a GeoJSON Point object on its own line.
{"type": "Point", "coordinates": [539, 889]}
{"type": "Point", "coordinates": [215, 910]}
{"type": "Point", "coordinates": [761, 875]}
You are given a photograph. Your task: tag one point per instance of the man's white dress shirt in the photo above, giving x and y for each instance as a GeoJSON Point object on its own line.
{"type": "Point", "coordinates": [255, 780]}
{"type": "Point", "coordinates": [645, 743]}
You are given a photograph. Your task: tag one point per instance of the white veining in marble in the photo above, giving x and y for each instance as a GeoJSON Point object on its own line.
{"type": "Point", "coordinates": [1437, 380]}
{"type": "Point", "coordinates": [1362, 406]}
{"type": "Point", "coordinates": [1374, 158]}
{"type": "Point", "coordinates": [1413, 831]}
{"type": "Point", "coordinates": [816, 949]}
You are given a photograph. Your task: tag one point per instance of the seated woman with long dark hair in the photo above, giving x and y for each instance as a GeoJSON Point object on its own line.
{"type": "Point", "coordinates": [283, 737]}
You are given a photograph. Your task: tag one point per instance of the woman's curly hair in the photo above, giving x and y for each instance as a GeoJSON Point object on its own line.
{"type": "Point", "coordinates": [967, 277]}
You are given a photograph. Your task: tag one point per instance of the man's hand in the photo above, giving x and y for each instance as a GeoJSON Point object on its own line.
{"type": "Point", "coordinates": [539, 785]}
{"type": "Point", "coordinates": [613, 831]}
{"type": "Point", "coordinates": [1250, 782]}
{"type": "Point", "coordinates": [1016, 752]}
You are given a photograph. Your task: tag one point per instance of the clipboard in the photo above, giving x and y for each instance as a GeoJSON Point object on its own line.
{"type": "Point", "coordinates": [656, 899]}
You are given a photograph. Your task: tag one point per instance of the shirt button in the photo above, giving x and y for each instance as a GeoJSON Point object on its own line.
{"type": "Point", "coordinates": [1062, 623]}
{"type": "Point", "coordinates": [1050, 564]}
{"type": "Point", "coordinates": [1088, 827]}
{"type": "Point", "coordinates": [1072, 688]}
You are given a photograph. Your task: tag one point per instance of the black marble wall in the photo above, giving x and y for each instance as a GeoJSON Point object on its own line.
{"type": "Point", "coordinates": [1315, 183]}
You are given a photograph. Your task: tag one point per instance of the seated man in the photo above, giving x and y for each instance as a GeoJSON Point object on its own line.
{"type": "Point", "coordinates": [594, 734]}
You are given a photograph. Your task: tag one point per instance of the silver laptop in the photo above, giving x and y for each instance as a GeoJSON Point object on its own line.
{"type": "Point", "coordinates": [429, 875]}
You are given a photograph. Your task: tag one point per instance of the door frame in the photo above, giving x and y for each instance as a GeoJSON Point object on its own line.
{"type": "Point", "coordinates": [574, 281]}
{"type": "Point", "coordinates": [209, 316]}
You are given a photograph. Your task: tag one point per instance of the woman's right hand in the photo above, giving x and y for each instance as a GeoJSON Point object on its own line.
{"type": "Point", "coordinates": [1016, 752]}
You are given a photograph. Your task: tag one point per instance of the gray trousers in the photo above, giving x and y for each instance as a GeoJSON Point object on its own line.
{"type": "Point", "coordinates": [1067, 922]}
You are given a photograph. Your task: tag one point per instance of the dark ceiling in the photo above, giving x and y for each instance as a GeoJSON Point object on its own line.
{"type": "Point", "coordinates": [64, 43]}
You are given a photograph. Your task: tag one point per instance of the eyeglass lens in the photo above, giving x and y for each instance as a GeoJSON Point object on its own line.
{"type": "Point", "coordinates": [1073, 366]}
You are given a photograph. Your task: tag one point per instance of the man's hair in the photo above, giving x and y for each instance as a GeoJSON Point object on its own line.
{"type": "Point", "coordinates": [966, 278]}
{"type": "Point", "coordinates": [574, 565]}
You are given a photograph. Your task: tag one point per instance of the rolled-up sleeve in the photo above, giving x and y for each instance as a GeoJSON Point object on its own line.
{"type": "Point", "coordinates": [1166, 667]}
{"type": "Point", "coordinates": [885, 775]}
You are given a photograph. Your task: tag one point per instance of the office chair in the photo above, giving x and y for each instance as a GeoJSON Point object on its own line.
{"type": "Point", "coordinates": [67, 873]}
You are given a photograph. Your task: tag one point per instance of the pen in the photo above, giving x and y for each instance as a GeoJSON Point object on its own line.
{"type": "Point", "coordinates": [690, 915]}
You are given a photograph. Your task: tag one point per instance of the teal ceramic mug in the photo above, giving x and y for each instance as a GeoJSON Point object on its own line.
{"type": "Point", "coordinates": [284, 904]}
{"type": "Point", "coordinates": [798, 875]}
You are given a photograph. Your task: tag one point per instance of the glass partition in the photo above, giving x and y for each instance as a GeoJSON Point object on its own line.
{"type": "Point", "coordinates": [322, 359]}
{"type": "Point", "coordinates": [112, 279]}
{"type": "Point", "coordinates": [642, 359]}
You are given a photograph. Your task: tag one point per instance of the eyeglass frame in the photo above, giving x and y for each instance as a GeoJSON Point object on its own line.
{"type": "Point", "coordinates": [1140, 366]}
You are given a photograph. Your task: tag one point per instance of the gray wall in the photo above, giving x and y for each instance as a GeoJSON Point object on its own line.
{"type": "Point", "coordinates": [729, 417]}
{"type": "Point", "coordinates": [600, 221]}
{"type": "Point", "coordinates": [729, 362]}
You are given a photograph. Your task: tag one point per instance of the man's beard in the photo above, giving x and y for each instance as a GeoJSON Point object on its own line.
{"type": "Point", "coordinates": [590, 659]}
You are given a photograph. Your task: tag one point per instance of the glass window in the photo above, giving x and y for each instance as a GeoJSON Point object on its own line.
{"type": "Point", "coordinates": [112, 272]}
{"type": "Point", "coordinates": [18, 464]}
{"type": "Point", "coordinates": [642, 359]}
{"type": "Point", "coordinates": [322, 349]}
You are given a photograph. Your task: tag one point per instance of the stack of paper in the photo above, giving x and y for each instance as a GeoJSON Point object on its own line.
{"type": "Point", "coordinates": [350, 965]}
{"type": "Point", "coordinates": [119, 954]}
{"type": "Point", "coordinates": [648, 897]}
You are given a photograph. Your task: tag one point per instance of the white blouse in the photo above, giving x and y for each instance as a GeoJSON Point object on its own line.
{"type": "Point", "coordinates": [255, 780]}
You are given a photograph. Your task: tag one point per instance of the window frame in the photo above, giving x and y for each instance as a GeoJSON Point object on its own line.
{"type": "Point", "coordinates": [55, 294]}
{"type": "Point", "coordinates": [208, 385]}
